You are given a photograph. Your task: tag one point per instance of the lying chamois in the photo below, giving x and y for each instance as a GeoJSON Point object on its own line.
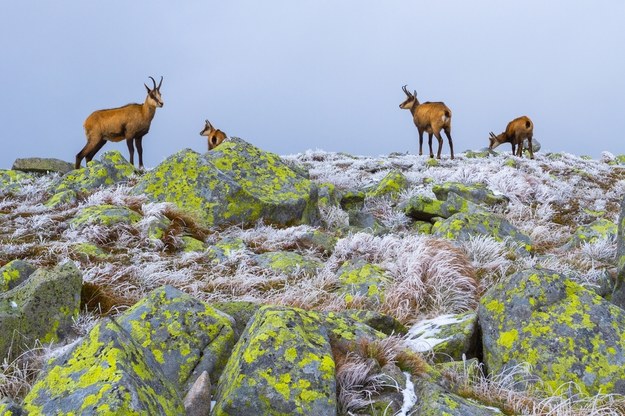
{"type": "Point", "coordinates": [214, 136]}
{"type": "Point", "coordinates": [429, 117]}
{"type": "Point", "coordinates": [130, 122]}
{"type": "Point", "coordinates": [516, 132]}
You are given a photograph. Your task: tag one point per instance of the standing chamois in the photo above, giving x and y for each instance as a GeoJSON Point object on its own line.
{"type": "Point", "coordinates": [214, 136]}
{"type": "Point", "coordinates": [130, 122]}
{"type": "Point", "coordinates": [517, 131]}
{"type": "Point", "coordinates": [429, 117]}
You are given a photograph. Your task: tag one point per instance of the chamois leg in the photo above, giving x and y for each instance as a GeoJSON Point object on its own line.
{"type": "Point", "coordinates": [139, 147]}
{"type": "Point", "coordinates": [420, 142]}
{"type": "Point", "coordinates": [86, 151]}
{"type": "Point", "coordinates": [95, 150]}
{"type": "Point", "coordinates": [451, 143]}
{"type": "Point", "coordinates": [430, 144]}
{"type": "Point", "coordinates": [513, 148]}
{"type": "Point", "coordinates": [440, 143]}
{"type": "Point", "coordinates": [131, 150]}
{"type": "Point", "coordinates": [530, 146]}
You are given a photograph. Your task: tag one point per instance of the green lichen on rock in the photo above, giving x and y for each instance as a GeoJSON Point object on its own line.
{"type": "Point", "coordinates": [382, 323]}
{"type": "Point", "coordinates": [352, 200]}
{"type": "Point", "coordinates": [107, 215]}
{"type": "Point", "coordinates": [422, 227]}
{"type": "Point", "coordinates": [8, 408]}
{"type": "Point", "coordinates": [236, 183]}
{"type": "Point", "coordinates": [41, 308]}
{"type": "Point", "coordinates": [281, 365]}
{"type": "Point", "coordinates": [12, 180]}
{"type": "Point", "coordinates": [190, 244]}
{"type": "Point", "coordinates": [436, 401]}
{"type": "Point", "coordinates": [220, 251]}
{"type": "Point", "coordinates": [424, 208]}
{"type": "Point", "coordinates": [108, 373]}
{"type": "Point", "coordinates": [618, 295]}
{"type": "Point", "coordinates": [391, 185]}
{"type": "Point", "coordinates": [89, 252]}
{"type": "Point", "coordinates": [463, 226]}
{"type": "Point", "coordinates": [477, 193]}
{"type": "Point", "coordinates": [564, 331]}
{"type": "Point", "coordinates": [600, 229]}
{"type": "Point", "coordinates": [61, 198]}
{"type": "Point", "coordinates": [288, 263]}
{"type": "Point", "coordinates": [111, 169]}
{"type": "Point", "coordinates": [328, 195]}
{"type": "Point", "coordinates": [141, 363]}
{"type": "Point", "coordinates": [448, 337]}
{"type": "Point", "coordinates": [14, 273]}
{"type": "Point", "coordinates": [359, 278]}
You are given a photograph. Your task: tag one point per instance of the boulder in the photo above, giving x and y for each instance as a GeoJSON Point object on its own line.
{"type": "Point", "coordinates": [359, 278]}
{"type": "Point", "coordinates": [143, 362]}
{"type": "Point", "coordinates": [40, 308]}
{"type": "Point", "coordinates": [14, 273]}
{"type": "Point", "coordinates": [390, 186]}
{"type": "Point", "coordinates": [464, 225]}
{"type": "Point", "coordinates": [448, 337]}
{"type": "Point", "coordinates": [42, 165]}
{"type": "Point", "coordinates": [352, 200]}
{"type": "Point", "coordinates": [235, 183]}
{"type": "Point", "coordinates": [288, 263]}
{"type": "Point", "coordinates": [565, 332]}
{"type": "Point", "coordinates": [282, 364]}
{"type": "Point", "coordinates": [8, 408]}
{"type": "Point", "coordinates": [423, 208]}
{"type": "Point", "coordinates": [477, 193]}
{"type": "Point", "coordinates": [618, 295]}
{"type": "Point", "coordinates": [600, 229]}
{"type": "Point", "coordinates": [107, 215]}
{"type": "Point", "coordinates": [433, 400]}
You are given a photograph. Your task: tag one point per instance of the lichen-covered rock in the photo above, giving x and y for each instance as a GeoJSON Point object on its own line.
{"type": "Point", "coordinates": [359, 278]}
{"type": "Point", "coordinates": [600, 229]}
{"type": "Point", "coordinates": [42, 165]}
{"type": "Point", "coordinates": [385, 324]}
{"type": "Point", "coordinates": [107, 373]}
{"type": "Point", "coordinates": [241, 312]}
{"type": "Point", "coordinates": [220, 252]}
{"type": "Point", "coordinates": [40, 308]}
{"type": "Point", "coordinates": [463, 226]}
{"type": "Point", "coordinates": [342, 327]}
{"type": "Point", "coordinates": [12, 180]}
{"type": "Point", "coordinates": [564, 331]}
{"type": "Point", "coordinates": [436, 401]}
{"type": "Point", "coordinates": [353, 200]}
{"type": "Point", "coordinates": [362, 221]}
{"type": "Point", "coordinates": [111, 169]}
{"type": "Point", "coordinates": [422, 227]}
{"type": "Point", "coordinates": [423, 208]}
{"type": "Point", "coordinates": [478, 193]}
{"type": "Point", "coordinates": [14, 273]}
{"type": "Point", "coordinates": [141, 363]}
{"type": "Point", "coordinates": [391, 185]}
{"type": "Point", "coordinates": [235, 183]}
{"type": "Point", "coordinates": [282, 365]}
{"type": "Point", "coordinates": [288, 263]}
{"type": "Point", "coordinates": [190, 244]}
{"type": "Point", "coordinates": [328, 195]}
{"type": "Point", "coordinates": [449, 337]}
{"type": "Point", "coordinates": [66, 197]}
{"type": "Point", "coordinates": [107, 215]}
{"type": "Point", "coordinates": [480, 154]}
{"type": "Point", "coordinates": [89, 252]}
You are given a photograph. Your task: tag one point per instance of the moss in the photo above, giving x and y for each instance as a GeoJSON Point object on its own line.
{"type": "Point", "coordinates": [191, 244]}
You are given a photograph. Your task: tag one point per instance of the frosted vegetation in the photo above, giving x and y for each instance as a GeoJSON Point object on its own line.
{"type": "Point", "coordinates": [549, 198]}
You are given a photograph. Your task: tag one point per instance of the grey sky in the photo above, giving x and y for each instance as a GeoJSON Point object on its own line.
{"type": "Point", "coordinates": [295, 75]}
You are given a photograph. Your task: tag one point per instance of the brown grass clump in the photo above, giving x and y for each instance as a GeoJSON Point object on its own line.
{"type": "Point", "coordinates": [102, 300]}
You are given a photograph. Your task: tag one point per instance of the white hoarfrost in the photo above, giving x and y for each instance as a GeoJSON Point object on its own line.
{"type": "Point", "coordinates": [425, 335]}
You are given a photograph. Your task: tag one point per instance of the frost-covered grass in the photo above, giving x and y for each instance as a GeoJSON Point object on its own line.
{"type": "Point", "coordinates": [549, 198]}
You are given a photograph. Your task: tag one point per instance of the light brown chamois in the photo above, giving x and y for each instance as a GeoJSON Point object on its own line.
{"type": "Point", "coordinates": [214, 136]}
{"type": "Point", "coordinates": [130, 122]}
{"type": "Point", "coordinates": [431, 118]}
{"type": "Point", "coordinates": [516, 132]}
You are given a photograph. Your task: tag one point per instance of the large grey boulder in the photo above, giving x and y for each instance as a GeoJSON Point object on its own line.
{"type": "Point", "coordinates": [42, 165]}
{"type": "Point", "coordinates": [40, 308]}
{"type": "Point", "coordinates": [282, 364]}
{"type": "Point", "coordinates": [235, 183]}
{"type": "Point", "coordinates": [565, 332]}
{"type": "Point", "coordinates": [144, 361]}
{"type": "Point", "coordinates": [477, 193]}
{"type": "Point", "coordinates": [14, 273]}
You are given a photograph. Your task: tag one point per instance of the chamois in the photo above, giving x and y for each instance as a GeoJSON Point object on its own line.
{"type": "Point", "coordinates": [517, 131]}
{"type": "Point", "coordinates": [430, 117]}
{"type": "Point", "coordinates": [130, 122]}
{"type": "Point", "coordinates": [214, 136]}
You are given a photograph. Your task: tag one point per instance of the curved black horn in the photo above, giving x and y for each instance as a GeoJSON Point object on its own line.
{"type": "Point", "coordinates": [159, 84]}
{"type": "Point", "coordinates": [153, 82]}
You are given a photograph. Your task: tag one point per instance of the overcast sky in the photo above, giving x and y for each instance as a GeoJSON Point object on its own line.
{"type": "Point", "coordinates": [289, 76]}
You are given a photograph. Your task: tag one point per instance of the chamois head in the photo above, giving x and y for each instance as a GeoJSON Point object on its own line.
{"type": "Point", "coordinates": [214, 136]}
{"type": "Point", "coordinates": [496, 140]}
{"type": "Point", "coordinates": [410, 100]}
{"type": "Point", "coordinates": [154, 95]}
